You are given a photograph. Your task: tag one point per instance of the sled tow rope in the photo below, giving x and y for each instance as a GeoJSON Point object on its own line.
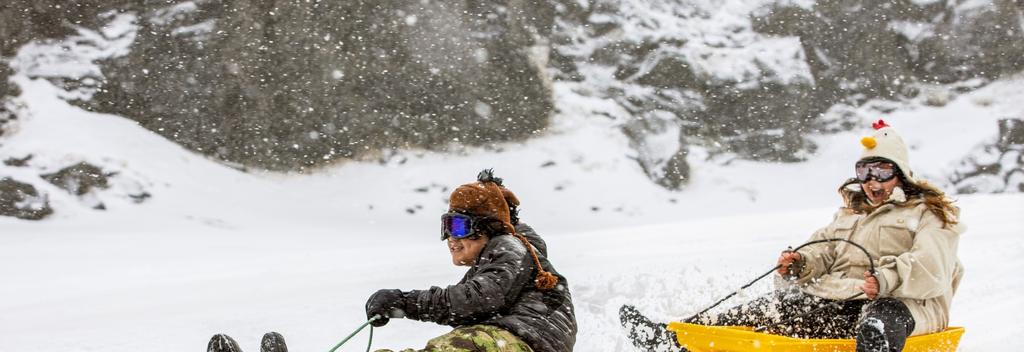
{"type": "Point", "coordinates": [871, 262]}
{"type": "Point", "coordinates": [360, 328]}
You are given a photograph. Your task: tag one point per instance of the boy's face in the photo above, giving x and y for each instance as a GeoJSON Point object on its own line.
{"type": "Point", "coordinates": [465, 251]}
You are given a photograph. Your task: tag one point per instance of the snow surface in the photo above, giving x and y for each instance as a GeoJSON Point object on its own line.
{"type": "Point", "coordinates": [219, 250]}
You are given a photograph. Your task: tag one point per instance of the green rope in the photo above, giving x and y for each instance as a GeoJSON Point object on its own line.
{"type": "Point", "coordinates": [871, 261]}
{"type": "Point", "coordinates": [361, 327]}
{"type": "Point", "coordinates": [369, 342]}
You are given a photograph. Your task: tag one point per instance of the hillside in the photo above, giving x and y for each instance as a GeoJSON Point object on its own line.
{"type": "Point", "coordinates": [291, 85]}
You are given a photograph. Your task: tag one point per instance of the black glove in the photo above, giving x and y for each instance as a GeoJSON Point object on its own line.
{"type": "Point", "coordinates": [382, 303]}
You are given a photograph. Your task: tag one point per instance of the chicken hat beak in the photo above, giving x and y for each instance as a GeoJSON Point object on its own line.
{"type": "Point", "coordinates": [869, 142]}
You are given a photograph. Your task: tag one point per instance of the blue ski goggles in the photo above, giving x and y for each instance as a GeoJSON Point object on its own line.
{"type": "Point", "coordinates": [458, 226]}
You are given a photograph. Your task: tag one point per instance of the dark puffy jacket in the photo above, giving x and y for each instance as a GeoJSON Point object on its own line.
{"type": "Point", "coordinates": [499, 291]}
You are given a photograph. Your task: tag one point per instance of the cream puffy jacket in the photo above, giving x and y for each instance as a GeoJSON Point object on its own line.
{"type": "Point", "coordinates": [916, 260]}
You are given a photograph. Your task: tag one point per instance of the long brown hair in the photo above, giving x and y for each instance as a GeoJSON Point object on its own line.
{"type": "Point", "coordinates": [935, 199]}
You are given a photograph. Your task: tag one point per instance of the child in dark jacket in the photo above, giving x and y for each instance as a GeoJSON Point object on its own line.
{"type": "Point", "coordinates": [511, 299]}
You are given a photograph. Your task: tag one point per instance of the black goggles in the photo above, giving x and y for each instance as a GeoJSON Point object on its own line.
{"type": "Point", "coordinates": [881, 171]}
{"type": "Point", "coordinates": [458, 226]}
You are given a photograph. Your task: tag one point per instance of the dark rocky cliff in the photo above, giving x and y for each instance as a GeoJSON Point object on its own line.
{"type": "Point", "coordinates": [289, 84]}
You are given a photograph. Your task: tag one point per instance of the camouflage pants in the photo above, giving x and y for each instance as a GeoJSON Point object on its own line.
{"type": "Point", "coordinates": [474, 338]}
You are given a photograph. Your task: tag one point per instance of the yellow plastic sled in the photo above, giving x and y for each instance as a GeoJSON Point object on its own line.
{"type": "Point", "coordinates": [701, 338]}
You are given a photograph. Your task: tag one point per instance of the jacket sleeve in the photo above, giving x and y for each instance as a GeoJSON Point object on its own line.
{"type": "Point", "coordinates": [816, 259]}
{"type": "Point", "coordinates": [491, 289]}
{"type": "Point", "coordinates": [926, 271]}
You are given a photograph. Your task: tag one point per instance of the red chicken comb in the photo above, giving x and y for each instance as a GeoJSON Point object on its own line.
{"type": "Point", "coordinates": [879, 125]}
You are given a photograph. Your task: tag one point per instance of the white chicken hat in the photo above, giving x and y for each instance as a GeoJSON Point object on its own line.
{"type": "Point", "coordinates": [886, 143]}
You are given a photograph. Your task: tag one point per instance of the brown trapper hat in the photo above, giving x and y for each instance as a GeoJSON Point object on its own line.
{"type": "Point", "coordinates": [487, 197]}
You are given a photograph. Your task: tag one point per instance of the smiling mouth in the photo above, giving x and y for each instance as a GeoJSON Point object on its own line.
{"type": "Point", "coordinates": [875, 191]}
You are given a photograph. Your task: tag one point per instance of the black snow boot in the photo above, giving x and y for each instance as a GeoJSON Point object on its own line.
{"type": "Point", "coordinates": [647, 335]}
{"type": "Point", "coordinates": [885, 326]}
{"type": "Point", "coordinates": [273, 342]}
{"type": "Point", "coordinates": [222, 343]}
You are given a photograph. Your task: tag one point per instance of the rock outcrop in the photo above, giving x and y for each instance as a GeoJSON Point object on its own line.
{"type": "Point", "coordinates": [997, 167]}
{"type": "Point", "coordinates": [22, 200]}
{"type": "Point", "coordinates": [289, 84]}
{"type": "Point", "coordinates": [755, 80]}
{"type": "Point", "coordinates": [78, 179]}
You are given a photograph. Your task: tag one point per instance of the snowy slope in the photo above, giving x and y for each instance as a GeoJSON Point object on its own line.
{"type": "Point", "coordinates": [219, 250]}
{"type": "Point", "coordinates": [582, 159]}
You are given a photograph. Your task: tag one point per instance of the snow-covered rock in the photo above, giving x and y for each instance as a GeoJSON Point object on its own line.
{"type": "Point", "coordinates": [22, 200]}
{"type": "Point", "coordinates": [754, 79]}
{"type": "Point", "coordinates": [994, 167]}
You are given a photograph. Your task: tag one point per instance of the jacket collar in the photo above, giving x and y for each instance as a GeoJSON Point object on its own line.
{"type": "Point", "coordinates": [890, 205]}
